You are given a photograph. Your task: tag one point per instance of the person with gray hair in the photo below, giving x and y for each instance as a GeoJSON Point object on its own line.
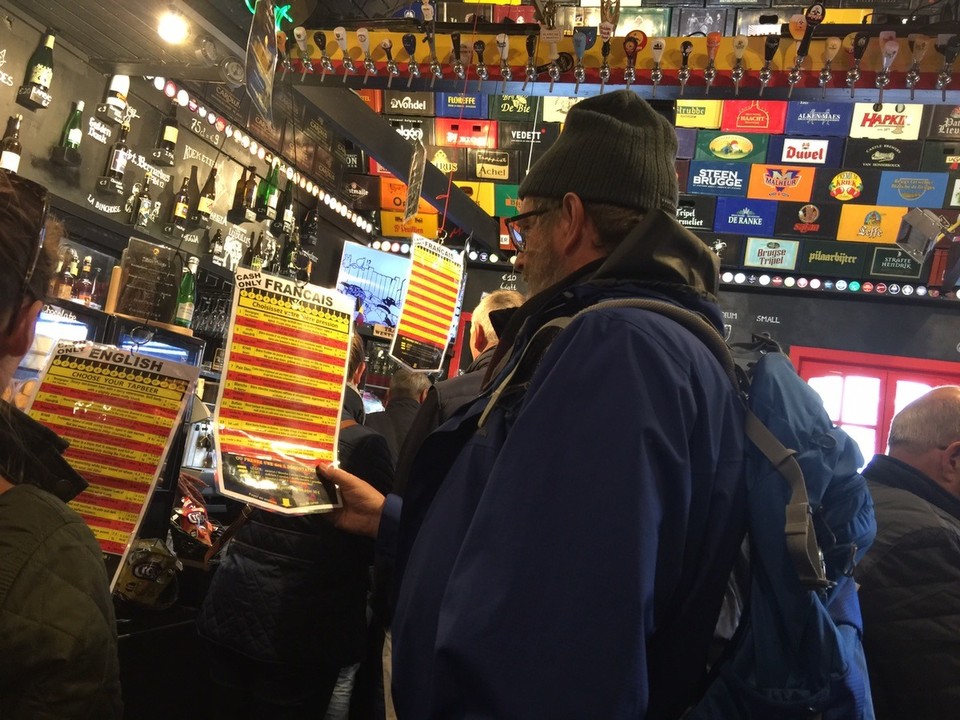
{"type": "Point", "coordinates": [910, 579]}
{"type": "Point", "coordinates": [483, 332]}
{"type": "Point", "coordinates": [407, 391]}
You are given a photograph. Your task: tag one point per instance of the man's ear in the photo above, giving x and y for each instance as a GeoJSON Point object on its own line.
{"type": "Point", "coordinates": [358, 375]}
{"type": "Point", "coordinates": [480, 340]}
{"type": "Point", "coordinates": [16, 342]}
{"type": "Point", "coordinates": [950, 468]}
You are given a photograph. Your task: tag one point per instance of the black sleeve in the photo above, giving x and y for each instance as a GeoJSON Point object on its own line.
{"type": "Point", "coordinates": [426, 421]}
{"type": "Point", "coordinates": [370, 460]}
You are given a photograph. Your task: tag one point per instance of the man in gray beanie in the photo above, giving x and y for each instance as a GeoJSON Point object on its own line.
{"type": "Point", "coordinates": [564, 543]}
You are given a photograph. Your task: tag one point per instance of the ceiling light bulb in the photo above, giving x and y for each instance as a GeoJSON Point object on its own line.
{"type": "Point", "coordinates": [405, 248]}
{"type": "Point", "coordinates": [159, 82]}
{"type": "Point", "coordinates": [395, 247]}
{"type": "Point", "coordinates": [494, 258]}
{"type": "Point", "coordinates": [183, 98]}
{"type": "Point", "coordinates": [172, 27]}
{"type": "Point", "coordinates": [375, 245]}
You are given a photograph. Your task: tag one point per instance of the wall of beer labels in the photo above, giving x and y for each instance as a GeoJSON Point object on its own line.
{"type": "Point", "coordinates": [802, 194]}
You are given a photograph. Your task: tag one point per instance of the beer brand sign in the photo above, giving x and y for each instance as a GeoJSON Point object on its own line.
{"type": "Point", "coordinates": [832, 258]}
{"type": "Point", "coordinates": [497, 165]}
{"type": "Point", "coordinates": [698, 114]}
{"type": "Point", "coordinates": [897, 122]}
{"type": "Point", "coordinates": [870, 223]}
{"type": "Point", "coordinates": [940, 156]}
{"type": "Point", "coordinates": [718, 178]}
{"type": "Point", "coordinates": [771, 254]}
{"type": "Point", "coordinates": [888, 262]}
{"type": "Point", "coordinates": [696, 212]}
{"type": "Point", "coordinates": [731, 147]}
{"type": "Point", "coordinates": [796, 150]}
{"type": "Point", "coordinates": [818, 118]}
{"type": "Point", "coordinates": [760, 116]}
{"type": "Point", "coordinates": [925, 190]}
{"type": "Point", "coordinates": [944, 122]}
{"type": "Point", "coordinates": [744, 217]}
{"type": "Point", "coordinates": [408, 103]}
{"type": "Point", "coordinates": [781, 182]}
{"type": "Point", "coordinates": [846, 185]}
{"type": "Point", "coordinates": [457, 105]}
{"type": "Point", "coordinates": [807, 219]}
{"type": "Point", "coordinates": [884, 154]}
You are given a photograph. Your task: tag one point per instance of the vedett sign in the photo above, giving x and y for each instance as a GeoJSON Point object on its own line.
{"type": "Point", "coordinates": [896, 122]}
{"type": "Point", "coordinates": [805, 150]}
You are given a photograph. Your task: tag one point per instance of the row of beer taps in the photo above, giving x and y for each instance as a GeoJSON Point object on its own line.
{"type": "Point", "coordinates": [801, 30]}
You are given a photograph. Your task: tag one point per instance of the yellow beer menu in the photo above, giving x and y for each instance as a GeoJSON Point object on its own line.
{"type": "Point", "coordinates": [119, 412]}
{"type": "Point", "coordinates": [278, 413]}
{"type": "Point", "coordinates": [428, 306]}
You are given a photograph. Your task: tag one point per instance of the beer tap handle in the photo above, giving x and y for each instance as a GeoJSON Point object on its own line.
{"type": "Point", "coordinates": [369, 67]}
{"type": "Point", "coordinates": [458, 69]}
{"type": "Point", "coordinates": [713, 44]}
{"type": "Point", "coordinates": [830, 49]}
{"type": "Point", "coordinates": [478, 47]}
{"type": "Point", "coordinates": [814, 16]}
{"type": "Point", "coordinates": [860, 42]}
{"type": "Point", "coordinates": [656, 50]}
{"type": "Point", "coordinates": [740, 44]}
{"type": "Point", "coordinates": [798, 29]}
{"type": "Point", "coordinates": [889, 52]}
{"type": "Point", "coordinates": [409, 42]}
{"type": "Point", "coordinates": [770, 46]}
{"type": "Point", "coordinates": [392, 69]}
{"type": "Point", "coordinates": [686, 47]}
{"type": "Point", "coordinates": [300, 35]}
{"type": "Point", "coordinates": [503, 48]}
{"type": "Point", "coordinates": [605, 63]}
{"type": "Point", "coordinates": [950, 52]}
{"type": "Point", "coordinates": [320, 40]}
{"type": "Point", "coordinates": [579, 49]}
{"type": "Point", "coordinates": [340, 35]}
{"type": "Point", "coordinates": [531, 73]}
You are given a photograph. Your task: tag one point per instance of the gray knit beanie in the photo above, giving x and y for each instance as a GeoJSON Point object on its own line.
{"type": "Point", "coordinates": [614, 149]}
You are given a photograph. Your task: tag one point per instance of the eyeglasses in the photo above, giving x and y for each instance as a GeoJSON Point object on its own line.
{"type": "Point", "coordinates": [514, 230]}
{"type": "Point", "coordinates": [34, 202]}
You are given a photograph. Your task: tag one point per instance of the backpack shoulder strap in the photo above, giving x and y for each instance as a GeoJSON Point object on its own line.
{"type": "Point", "coordinates": [799, 529]}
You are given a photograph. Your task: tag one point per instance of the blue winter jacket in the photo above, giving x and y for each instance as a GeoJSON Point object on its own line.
{"type": "Point", "coordinates": [568, 559]}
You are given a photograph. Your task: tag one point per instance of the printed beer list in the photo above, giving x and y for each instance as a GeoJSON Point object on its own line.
{"type": "Point", "coordinates": [119, 412]}
{"type": "Point", "coordinates": [279, 408]}
{"type": "Point", "coordinates": [428, 306]}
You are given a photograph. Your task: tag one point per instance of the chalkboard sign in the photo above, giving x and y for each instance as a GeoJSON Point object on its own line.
{"type": "Point", "coordinates": [149, 277]}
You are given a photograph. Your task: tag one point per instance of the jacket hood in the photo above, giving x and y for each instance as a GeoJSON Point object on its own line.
{"type": "Point", "coordinates": [661, 250]}
{"type": "Point", "coordinates": [31, 453]}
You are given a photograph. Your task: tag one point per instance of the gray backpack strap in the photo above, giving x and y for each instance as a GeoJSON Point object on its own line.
{"type": "Point", "coordinates": [799, 530]}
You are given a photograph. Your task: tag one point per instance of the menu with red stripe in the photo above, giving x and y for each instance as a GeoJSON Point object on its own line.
{"type": "Point", "coordinates": [278, 415]}
{"type": "Point", "coordinates": [119, 411]}
{"type": "Point", "coordinates": [428, 306]}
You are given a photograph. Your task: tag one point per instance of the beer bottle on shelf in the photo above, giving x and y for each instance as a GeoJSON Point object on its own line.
{"type": "Point", "coordinates": [117, 160]}
{"type": "Point", "coordinates": [95, 290]}
{"type": "Point", "coordinates": [73, 129]}
{"type": "Point", "coordinates": [194, 189]}
{"type": "Point", "coordinates": [310, 227]}
{"type": "Point", "coordinates": [53, 289]}
{"type": "Point", "coordinates": [207, 195]}
{"type": "Point", "coordinates": [285, 210]}
{"type": "Point", "coordinates": [291, 256]}
{"type": "Point", "coordinates": [10, 147]}
{"type": "Point", "coordinates": [267, 194]}
{"type": "Point", "coordinates": [238, 191]}
{"type": "Point", "coordinates": [67, 278]}
{"type": "Point", "coordinates": [187, 295]}
{"type": "Point", "coordinates": [83, 285]}
{"type": "Point", "coordinates": [40, 67]}
{"type": "Point", "coordinates": [256, 255]}
{"type": "Point", "coordinates": [117, 92]}
{"type": "Point", "coordinates": [215, 249]}
{"type": "Point", "coordinates": [163, 155]}
{"type": "Point", "coordinates": [181, 206]}
{"type": "Point", "coordinates": [250, 189]}
{"type": "Point", "coordinates": [142, 203]}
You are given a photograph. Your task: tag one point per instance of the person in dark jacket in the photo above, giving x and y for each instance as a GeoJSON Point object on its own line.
{"type": "Point", "coordinates": [58, 634]}
{"type": "Point", "coordinates": [565, 540]}
{"type": "Point", "coordinates": [406, 393]}
{"type": "Point", "coordinates": [286, 612]}
{"type": "Point", "coordinates": [910, 578]}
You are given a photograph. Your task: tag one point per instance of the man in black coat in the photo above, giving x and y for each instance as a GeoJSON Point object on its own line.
{"type": "Point", "coordinates": [910, 578]}
{"type": "Point", "coordinates": [407, 391]}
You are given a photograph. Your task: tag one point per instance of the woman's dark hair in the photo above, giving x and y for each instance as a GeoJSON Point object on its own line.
{"type": "Point", "coordinates": [20, 218]}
